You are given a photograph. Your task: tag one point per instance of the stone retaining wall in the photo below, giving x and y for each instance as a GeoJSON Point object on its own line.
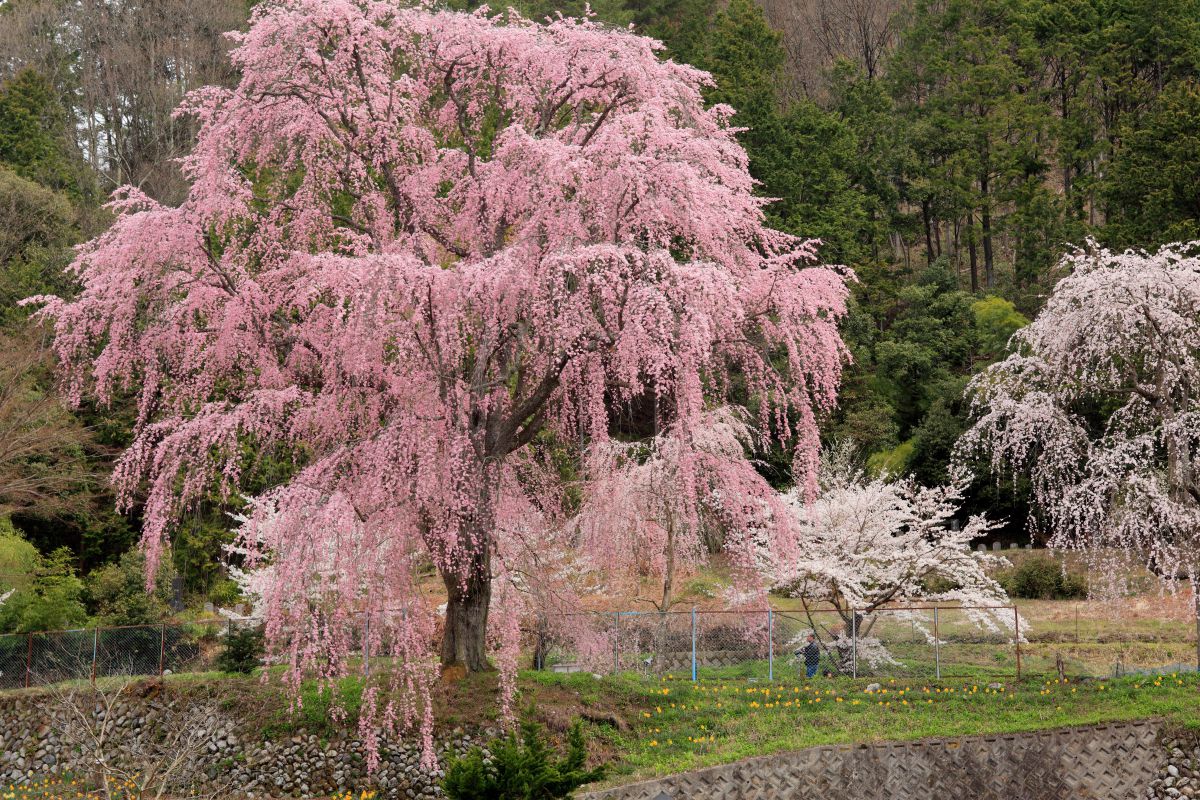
{"type": "Point", "coordinates": [231, 761]}
{"type": "Point", "coordinates": [1104, 762]}
{"type": "Point", "coordinates": [1180, 774]}
{"type": "Point", "coordinates": [1130, 761]}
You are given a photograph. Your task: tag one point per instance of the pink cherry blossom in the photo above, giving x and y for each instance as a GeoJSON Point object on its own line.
{"type": "Point", "coordinates": [421, 247]}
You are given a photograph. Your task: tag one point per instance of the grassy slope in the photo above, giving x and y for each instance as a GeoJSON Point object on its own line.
{"type": "Point", "coordinates": [675, 725]}
{"type": "Point", "coordinates": [648, 727]}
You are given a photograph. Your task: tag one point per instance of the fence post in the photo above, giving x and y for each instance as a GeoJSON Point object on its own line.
{"type": "Point", "coordinates": [539, 644]}
{"type": "Point", "coordinates": [693, 644]}
{"type": "Point", "coordinates": [616, 636]}
{"type": "Point", "coordinates": [367, 643]}
{"type": "Point", "coordinates": [1017, 638]}
{"type": "Point", "coordinates": [854, 643]}
{"type": "Point", "coordinates": [937, 647]}
{"type": "Point", "coordinates": [95, 647]}
{"type": "Point", "coordinates": [29, 661]}
{"type": "Point", "coordinates": [162, 647]}
{"type": "Point", "coordinates": [770, 644]}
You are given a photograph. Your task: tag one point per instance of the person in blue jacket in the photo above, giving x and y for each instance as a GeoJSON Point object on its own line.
{"type": "Point", "coordinates": [811, 654]}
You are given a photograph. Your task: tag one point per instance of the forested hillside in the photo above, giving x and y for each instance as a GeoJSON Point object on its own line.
{"type": "Point", "coordinates": [949, 152]}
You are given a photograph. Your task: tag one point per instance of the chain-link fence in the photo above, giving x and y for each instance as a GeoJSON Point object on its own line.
{"type": "Point", "coordinates": [917, 642]}
{"type": "Point", "coordinates": [33, 659]}
{"type": "Point", "coordinates": [926, 643]}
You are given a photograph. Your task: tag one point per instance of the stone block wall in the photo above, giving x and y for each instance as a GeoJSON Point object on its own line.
{"type": "Point", "coordinates": [1104, 762]}
{"type": "Point", "coordinates": [237, 761]}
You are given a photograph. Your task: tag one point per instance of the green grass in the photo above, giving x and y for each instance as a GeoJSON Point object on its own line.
{"type": "Point", "coordinates": [319, 710]}
{"type": "Point", "coordinates": [648, 725]}
{"type": "Point", "coordinates": [674, 725]}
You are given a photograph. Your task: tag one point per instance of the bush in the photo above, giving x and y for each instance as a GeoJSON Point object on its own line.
{"type": "Point", "coordinates": [243, 651]}
{"type": "Point", "coordinates": [1043, 579]}
{"type": "Point", "coordinates": [117, 592]}
{"type": "Point", "coordinates": [45, 590]}
{"type": "Point", "coordinates": [225, 593]}
{"type": "Point", "coordinates": [520, 768]}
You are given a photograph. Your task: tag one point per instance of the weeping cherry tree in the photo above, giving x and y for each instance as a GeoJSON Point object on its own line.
{"type": "Point", "coordinates": [870, 544]}
{"type": "Point", "coordinates": [417, 244]}
{"type": "Point", "coordinates": [1099, 405]}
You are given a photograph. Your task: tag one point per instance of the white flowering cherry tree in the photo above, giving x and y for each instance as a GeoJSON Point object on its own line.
{"type": "Point", "coordinates": [1099, 405]}
{"type": "Point", "coordinates": [875, 544]}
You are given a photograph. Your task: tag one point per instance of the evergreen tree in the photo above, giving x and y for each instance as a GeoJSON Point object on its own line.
{"type": "Point", "coordinates": [521, 768]}
{"type": "Point", "coordinates": [32, 131]}
{"type": "Point", "coordinates": [967, 78]}
{"type": "Point", "coordinates": [1152, 185]}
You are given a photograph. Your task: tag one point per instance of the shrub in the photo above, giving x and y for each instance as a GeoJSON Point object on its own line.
{"type": "Point", "coordinates": [520, 768]}
{"type": "Point", "coordinates": [891, 462]}
{"type": "Point", "coordinates": [117, 592]}
{"type": "Point", "coordinates": [243, 651]}
{"type": "Point", "coordinates": [1043, 579]}
{"type": "Point", "coordinates": [45, 590]}
{"type": "Point", "coordinates": [225, 593]}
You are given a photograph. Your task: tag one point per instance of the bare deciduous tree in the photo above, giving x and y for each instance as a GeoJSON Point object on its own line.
{"type": "Point", "coordinates": [816, 33]}
{"type": "Point", "coordinates": [122, 67]}
{"type": "Point", "coordinates": [169, 757]}
{"type": "Point", "coordinates": [44, 465]}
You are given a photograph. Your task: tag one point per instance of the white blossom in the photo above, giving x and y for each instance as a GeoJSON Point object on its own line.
{"type": "Point", "coordinates": [1099, 405]}
{"type": "Point", "coordinates": [874, 545]}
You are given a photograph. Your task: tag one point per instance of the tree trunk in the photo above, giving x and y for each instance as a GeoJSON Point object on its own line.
{"type": "Point", "coordinates": [973, 256]}
{"type": "Point", "coordinates": [925, 214]}
{"type": "Point", "coordinates": [985, 223]}
{"type": "Point", "coordinates": [464, 641]}
{"type": "Point", "coordinates": [1064, 111]}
